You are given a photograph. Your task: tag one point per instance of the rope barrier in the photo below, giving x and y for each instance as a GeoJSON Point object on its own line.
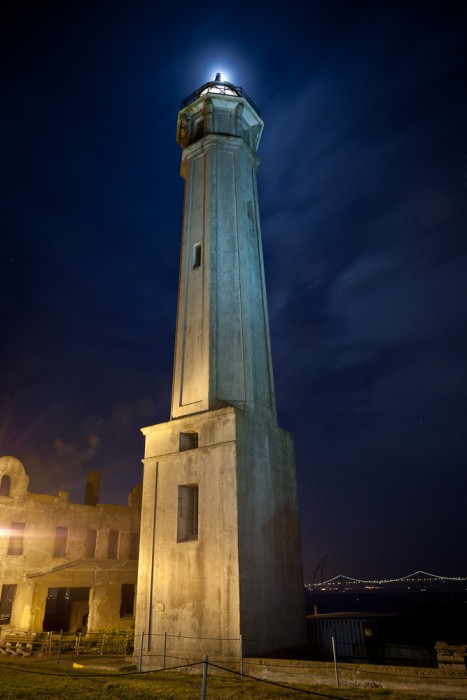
{"type": "Point", "coordinates": [77, 676]}
{"type": "Point", "coordinates": [80, 675]}
{"type": "Point", "coordinates": [280, 685]}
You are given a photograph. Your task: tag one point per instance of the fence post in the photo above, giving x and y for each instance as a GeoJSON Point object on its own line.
{"type": "Point", "coordinates": [165, 650]}
{"type": "Point", "coordinates": [335, 660]}
{"type": "Point", "coordinates": [141, 652]}
{"type": "Point", "coordinates": [77, 641]}
{"type": "Point", "coordinates": [103, 640]}
{"type": "Point", "coordinates": [241, 656]}
{"type": "Point", "coordinates": [59, 647]}
{"type": "Point", "coordinates": [205, 677]}
{"type": "Point", "coordinates": [126, 642]}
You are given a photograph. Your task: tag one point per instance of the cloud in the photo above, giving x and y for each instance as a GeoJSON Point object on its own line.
{"type": "Point", "coordinates": [384, 303]}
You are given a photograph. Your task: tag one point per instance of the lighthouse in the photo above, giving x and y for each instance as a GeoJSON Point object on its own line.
{"type": "Point", "coordinates": [220, 568]}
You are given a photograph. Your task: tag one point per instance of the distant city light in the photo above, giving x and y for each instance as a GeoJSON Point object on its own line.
{"type": "Point", "coordinates": [416, 577]}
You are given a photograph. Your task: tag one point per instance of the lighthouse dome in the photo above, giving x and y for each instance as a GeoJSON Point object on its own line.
{"type": "Point", "coordinates": [219, 87]}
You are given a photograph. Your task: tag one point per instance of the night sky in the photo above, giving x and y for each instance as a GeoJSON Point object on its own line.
{"type": "Point", "coordinates": [363, 198]}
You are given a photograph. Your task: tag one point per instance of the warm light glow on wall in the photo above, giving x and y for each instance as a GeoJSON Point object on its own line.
{"type": "Point", "coordinates": [35, 534]}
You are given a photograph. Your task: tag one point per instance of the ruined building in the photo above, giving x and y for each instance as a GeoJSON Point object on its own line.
{"type": "Point", "coordinates": [220, 560]}
{"type": "Point", "coordinates": [65, 565]}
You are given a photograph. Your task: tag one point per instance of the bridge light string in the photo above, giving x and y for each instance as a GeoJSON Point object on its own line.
{"type": "Point", "coordinates": [422, 576]}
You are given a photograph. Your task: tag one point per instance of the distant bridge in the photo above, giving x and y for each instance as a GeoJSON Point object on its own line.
{"type": "Point", "coordinates": [418, 577]}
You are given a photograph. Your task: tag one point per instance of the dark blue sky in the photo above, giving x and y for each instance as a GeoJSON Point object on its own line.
{"type": "Point", "coordinates": [363, 195]}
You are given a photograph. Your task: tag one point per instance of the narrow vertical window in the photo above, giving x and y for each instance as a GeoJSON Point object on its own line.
{"type": "Point", "coordinates": [5, 485]}
{"type": "Point", "coordinates": [61, 539]}
{"type": "Point", "coordinates": [15, 545]}
{"type": "Point", "coordinates": [112, 552]}
{"type": "Point", "coordinates": [196, 255]}
{"type": "Point", "coordinates": [187, 522]}
{"type": "Point", "coordinates": [90, 544]}
{"type": "Point", "coordinates": [134, 546]}
{"type": "Point", "coordinates": [199, 129]}
{"type": "Point", "coordinates": [188, 441]}
{"type": "Point", "coordinates": [6, 602]}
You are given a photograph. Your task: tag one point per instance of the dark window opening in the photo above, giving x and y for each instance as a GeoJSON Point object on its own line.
{"type": "Point", "coordinates": [188, 441]}
{"type": "Point", "coordinates": [187, 522]}
{"type": "Point", "coordinates": [127, 604]}
{"type": "Point", "coordinates": [61, 539]}
{"type": "Point", "coordinates": [6, 602]}
{"type": "Point", "coordinates": [15, 545]}
{"type": "Point", "coordinates": [112, 552]}
{"type": "Point", "coordinates": [5, 485]}
{"type": "Point", "coordinates": [134, 546]}
{"type": "Point", "coordinates": [90, 544]}
{"type": "Point", "coordinates": [196, 255]}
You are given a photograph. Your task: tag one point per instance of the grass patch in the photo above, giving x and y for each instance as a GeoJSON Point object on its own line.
{"type": "Point", "coordinates": [47, 681]}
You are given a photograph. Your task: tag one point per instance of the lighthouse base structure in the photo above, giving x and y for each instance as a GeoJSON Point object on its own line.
{"type": "Point", "coordinates": [220, 571]}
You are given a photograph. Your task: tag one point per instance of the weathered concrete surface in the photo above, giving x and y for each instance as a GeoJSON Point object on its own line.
{"type": "Point", "coordinates": [190, 589]}
{"type": "Point", "coordinates": [271, 577]}
{"type": "Point", "coordinates": [35, 569]}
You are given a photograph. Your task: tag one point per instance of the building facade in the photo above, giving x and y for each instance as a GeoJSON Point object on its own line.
{"type": "Point", "coordinates": [220, 557]}
{"type": "Point", "coordinates": [65, 565]}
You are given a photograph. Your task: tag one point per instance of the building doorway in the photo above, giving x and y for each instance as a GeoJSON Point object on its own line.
{"type": "Point", "coordinates": [67, 609]}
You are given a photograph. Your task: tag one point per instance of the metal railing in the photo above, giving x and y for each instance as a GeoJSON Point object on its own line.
{"type": "Point", "coordinates": [220, 89]}
{"type": "Point", "coordinates": [166, 650]}
{"type": "Point", "coordinates": [51, 644]}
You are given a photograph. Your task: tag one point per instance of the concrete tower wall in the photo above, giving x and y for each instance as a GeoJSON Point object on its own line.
{"type": "Point", "coordinates": [220, 552]}
{"type": "Point", "coordinates": [271, 581]}
{"type": "Point", "coordinates": [241, 575]}
{"type": "Point", "coordinates": [190, 588]}
{"type": "Point", "coordinates": [222, 352]}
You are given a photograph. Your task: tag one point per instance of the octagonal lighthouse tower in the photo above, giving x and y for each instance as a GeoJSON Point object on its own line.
{"type": "Point", "coordinates": [220, 562]}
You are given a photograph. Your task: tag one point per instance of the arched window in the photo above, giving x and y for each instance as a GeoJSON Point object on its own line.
{"type": "Point", "coordinates": [5, 485]}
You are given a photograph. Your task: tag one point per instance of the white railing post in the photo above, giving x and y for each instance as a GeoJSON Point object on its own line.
{"type": "Point", "coordinates": [335, 660]}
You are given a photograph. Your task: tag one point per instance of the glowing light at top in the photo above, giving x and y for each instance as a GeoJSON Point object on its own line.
{"type": "Point", "coordinates": [219, 86]}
